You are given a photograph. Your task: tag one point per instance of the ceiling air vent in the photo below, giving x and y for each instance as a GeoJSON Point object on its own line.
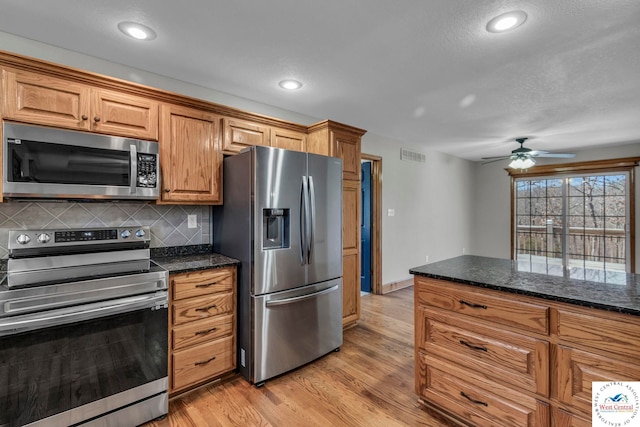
{"type": "Point", "coordinates": [413, 156]}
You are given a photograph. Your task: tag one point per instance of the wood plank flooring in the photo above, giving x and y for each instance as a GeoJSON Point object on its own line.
{"type": "Point", "coordinates": [368, 383]}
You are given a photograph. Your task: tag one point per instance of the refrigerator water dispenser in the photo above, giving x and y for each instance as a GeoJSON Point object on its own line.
{"type": "Point", "coordinates": [275, 228]}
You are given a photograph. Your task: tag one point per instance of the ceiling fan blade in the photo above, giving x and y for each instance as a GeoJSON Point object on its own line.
{"type": "Point", "coordinates": [537, 153]}
{"type": "Point", "coordinates": [557, 155]}
{"type": "Point", "coordinates": [494, 160]}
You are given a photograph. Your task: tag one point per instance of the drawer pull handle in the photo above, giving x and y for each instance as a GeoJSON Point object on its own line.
{"type": "Point", "coordinates": [474, 347]}
{"type": "Point", "coordinates": [206, 308]}
{"type": "Point", "coordinates": [206, 285]}
{"type": "Point", "coordinates": [206, 331]}
{"type": "Point", "coordinates": [206, 361]}
{"type": "Point", "coordinates": [470, 304]}
{"type": "Point", "coordinates": [479, 402]}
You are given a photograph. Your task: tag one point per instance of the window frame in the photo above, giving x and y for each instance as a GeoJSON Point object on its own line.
{"type": "Point", "coordinates": [626, 164]}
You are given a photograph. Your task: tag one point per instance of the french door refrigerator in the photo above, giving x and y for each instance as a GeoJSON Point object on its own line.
{"type": "Point", "coordinates": [282, 218]}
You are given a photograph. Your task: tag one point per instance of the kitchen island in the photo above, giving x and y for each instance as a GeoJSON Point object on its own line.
{"type": "Point", "coordinates": [496, 344]}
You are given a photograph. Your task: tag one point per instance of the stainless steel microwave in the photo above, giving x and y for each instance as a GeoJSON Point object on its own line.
{"type": "Point", "coordinates": [42, 162]}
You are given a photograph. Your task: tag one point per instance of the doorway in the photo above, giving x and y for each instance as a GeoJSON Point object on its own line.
{"type": "Point", "coordinates": [370, 224]}
{"type": "Point", "coordinates": [365, 227]}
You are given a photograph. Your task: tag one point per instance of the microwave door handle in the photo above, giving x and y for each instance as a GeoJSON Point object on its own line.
{"type": "Point", "coordinates": [133, 168]}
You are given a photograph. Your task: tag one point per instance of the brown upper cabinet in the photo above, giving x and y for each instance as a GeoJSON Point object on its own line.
{"type": "Point", "coordinates": [288, 139]}
{"type": "Point", "coordinates": [335, 139]}
{"type": "Point", "coordinates": [240, 134]}
{"type": "Point", "coordinates": [190, 156]}
{"type": "Point", "coordinates": [50, 101]}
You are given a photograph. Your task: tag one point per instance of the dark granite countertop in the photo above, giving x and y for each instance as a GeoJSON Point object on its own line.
{"type": "Point", "coordinates": [611, 291]}
{"type": "Point", "coordinates": [183, 259]}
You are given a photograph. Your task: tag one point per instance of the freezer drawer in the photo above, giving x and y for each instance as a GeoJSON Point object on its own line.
{"type": "Point", "coordinates": [295, 327]}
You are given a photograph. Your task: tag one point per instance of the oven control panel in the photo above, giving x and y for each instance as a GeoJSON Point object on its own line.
{"type": "Point", "coordinates": [20, 239]}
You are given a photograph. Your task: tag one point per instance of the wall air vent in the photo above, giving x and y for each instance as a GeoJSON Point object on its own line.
{"type": "Point", "coordinates": [412, 156]}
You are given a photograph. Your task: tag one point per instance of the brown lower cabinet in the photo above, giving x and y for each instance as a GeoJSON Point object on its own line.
{"type": "Point", "coordinates": [491, 358]}
{"type": "Point", "coordinates": [202, 331]}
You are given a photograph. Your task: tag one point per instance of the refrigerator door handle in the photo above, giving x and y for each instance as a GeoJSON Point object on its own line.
{"type": "Point", "coordinates": [312, 218]}
{"type": "Point", "coordinates": [301, 297]}
{"type": "Point", "coordinates": [303, 218]}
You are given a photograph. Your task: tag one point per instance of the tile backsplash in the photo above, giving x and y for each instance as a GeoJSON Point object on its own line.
{"type": "Point", "coordinates": [168, 223]}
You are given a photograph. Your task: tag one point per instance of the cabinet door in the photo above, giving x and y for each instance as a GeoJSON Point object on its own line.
{"type": "Point", "coordinates": [44, 100]}
{"type": "Point", "coordinates": [240, 134]}
{"type": "Point", "coordinates": [191, 159]}
{"type": "Point", "coordinates": [122, 114]}
{"type": "Point", "coordinates": [560, 418]}
{"type": "Point", "coordinates": [350, 252]}
{"type": "Point", "coordinates": [578, 369]}
{"type": "Point", "coordinates": [288, 139]}
{"type": "Point", "coordinates": [347, 147]}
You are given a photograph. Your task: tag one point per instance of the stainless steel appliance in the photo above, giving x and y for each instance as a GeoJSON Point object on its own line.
{"type": "Point", "coordinates": [282, 218]}
{"type": "Point", "coordinates": [55, 163]}
{"type": "Point", "coordinates": [83, 329]}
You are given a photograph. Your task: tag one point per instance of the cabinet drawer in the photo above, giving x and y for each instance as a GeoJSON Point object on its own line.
{"type": "Point", "coordinates": [500, 355]}
{"type": "Point", "coordinates": [201, 283]}
{"type": "Point", "coordinates": [611, 332]}
{"type": "Point", "coordinates": [478, 402]}
{"type": "Point", "coordinates": [200, 331]}
{"type": "Point", "coordinates": [577, 369]}
{"type": "Point", "coordinates": [201, 308]}
{"type": "Point", "coordinates": [504, 309]}
{"type": "Point", "coordinates": [196, 364]}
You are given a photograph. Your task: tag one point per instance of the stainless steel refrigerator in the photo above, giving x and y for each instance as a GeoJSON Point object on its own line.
{"type": "Point", "coordinates": [282, 218]}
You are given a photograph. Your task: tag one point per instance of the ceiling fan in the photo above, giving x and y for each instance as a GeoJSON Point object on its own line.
{"type": "Point", "coordinates": [522, 158]}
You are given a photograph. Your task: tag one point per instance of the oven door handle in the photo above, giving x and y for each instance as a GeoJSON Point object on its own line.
{"type": "Point", "coordinates": [46, 319]}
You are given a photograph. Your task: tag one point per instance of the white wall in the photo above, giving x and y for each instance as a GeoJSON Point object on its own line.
{"type": "Point", "coordinates": [492, 222]}
{"type": "Point", "coordinates": [26, 47]}
{"type": "Point", "coordinates": [433, 203]}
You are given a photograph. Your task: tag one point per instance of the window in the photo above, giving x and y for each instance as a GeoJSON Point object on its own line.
{"type": "Point", "coordinates": [575, 222]}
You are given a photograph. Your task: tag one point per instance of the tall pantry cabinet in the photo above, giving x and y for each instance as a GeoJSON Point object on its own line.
{"type": "Point", "coordinates": [338, 140]}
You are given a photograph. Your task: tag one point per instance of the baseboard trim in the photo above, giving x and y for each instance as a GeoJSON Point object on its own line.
{"type": "Point", "coordinates": [394, 286]}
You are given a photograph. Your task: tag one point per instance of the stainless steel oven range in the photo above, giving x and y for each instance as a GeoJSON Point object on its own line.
{"type": "Point", "coordinates": [83, 329]}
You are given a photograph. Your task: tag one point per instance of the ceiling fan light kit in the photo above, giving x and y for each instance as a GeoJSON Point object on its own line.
{"type": "Point", "coordinates": [522, 163]}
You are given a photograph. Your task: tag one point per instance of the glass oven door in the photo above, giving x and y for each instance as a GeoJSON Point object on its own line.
{"type": "Point", "coordinates": [65, 366]}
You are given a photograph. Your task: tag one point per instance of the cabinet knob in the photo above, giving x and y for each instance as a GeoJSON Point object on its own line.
{"type": "Point", "coordinates": [84, 117]}
{"type": "Point", "coordinates": [167, 190]}
{"type": "Point", "coordinates": [96, 119]}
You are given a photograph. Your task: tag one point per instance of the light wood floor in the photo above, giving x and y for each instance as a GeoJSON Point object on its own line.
{"type": "Point", "coordinates": [368, 383]}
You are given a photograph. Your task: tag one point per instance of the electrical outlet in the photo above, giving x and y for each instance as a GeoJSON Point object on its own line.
{"type": "Point", "coordinates": [464, 251]}
{"type": "Point", "coordinates": [426, 258]}
{"type": "Point", "coordinates": [192, 221]}
{"type": "Point", "coordinates": [391, 212]}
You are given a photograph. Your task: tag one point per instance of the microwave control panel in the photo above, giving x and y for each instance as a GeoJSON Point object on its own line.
{"type": "Point", "coordinates": [147, 170]}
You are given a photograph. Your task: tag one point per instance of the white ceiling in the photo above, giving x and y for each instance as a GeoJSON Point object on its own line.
{"type": "Point", "coordinates": [424, 72]}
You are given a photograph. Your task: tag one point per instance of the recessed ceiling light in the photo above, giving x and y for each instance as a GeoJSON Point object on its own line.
{"type": "Point", "coordinates": [137, 31]}
{"type": "Point", "coordinates": [506, 21]}
{"type": "Point", "coordinates": [290, 84]}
